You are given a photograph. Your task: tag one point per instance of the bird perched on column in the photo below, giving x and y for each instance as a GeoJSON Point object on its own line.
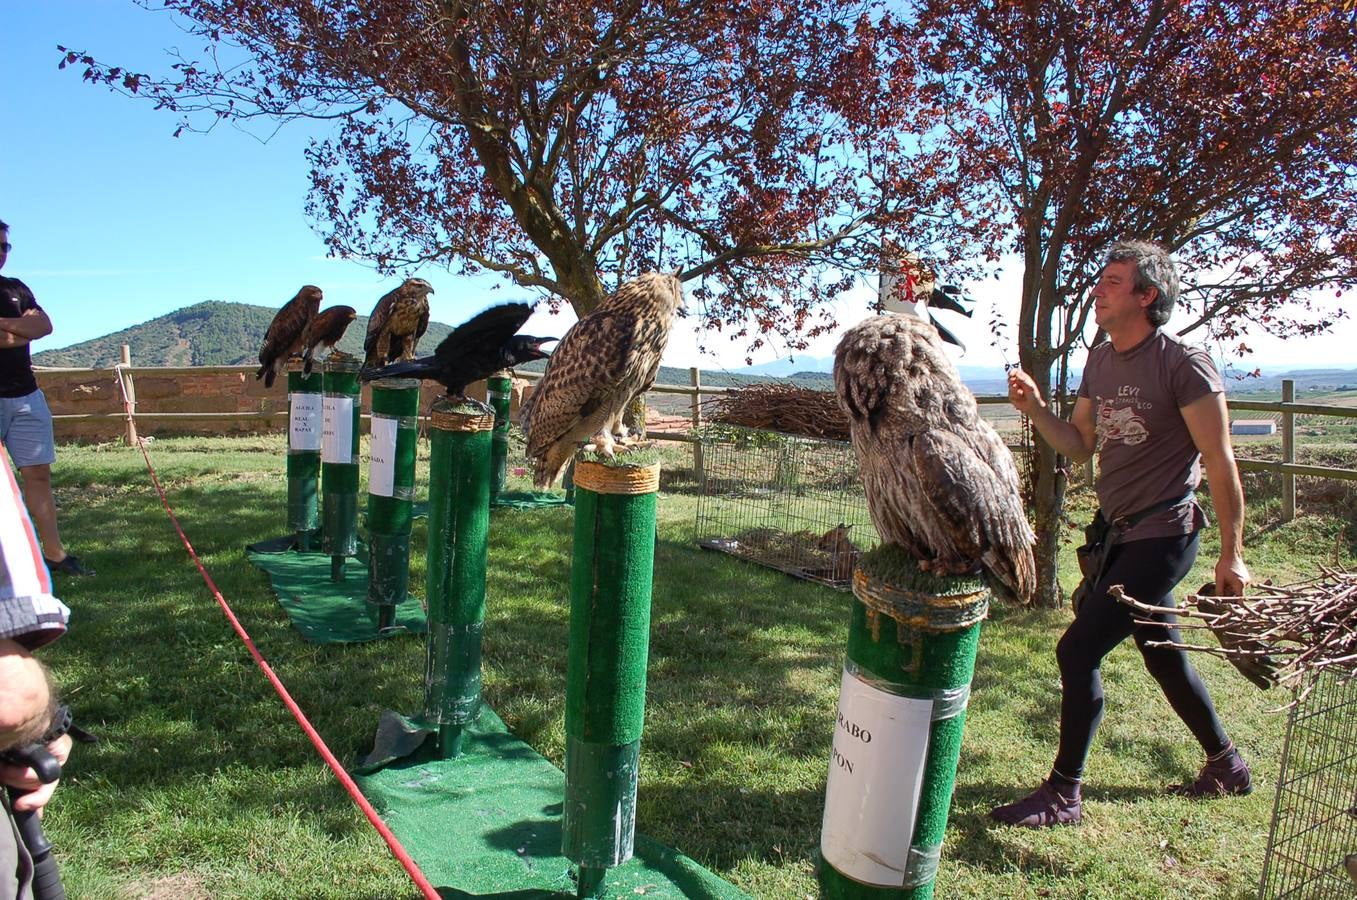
{"type": "Point", "coordinates": [397, 323]}
{"type": "Point", "coordinates": [326, 330]}
{"type": "Point", "coordinates": [482, 345]}
{"type": "Point", "coordinates": [287, 332]}
{"type": "Point", "coordinates": [604, 361]}
{"type": "Point", "coordinates": [939, 481]}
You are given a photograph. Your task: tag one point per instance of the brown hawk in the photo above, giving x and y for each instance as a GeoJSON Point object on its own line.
{"type": "Point", "coordinates": [604, 361]}
{"type": "Point", "coordinates": [286, 333]}
{"type": "Point", "coordinates": [327, 329]}
{"type": "Point", "coordinates": [940, 483]}
{"type": "Point", "coordinates": [397, 323]}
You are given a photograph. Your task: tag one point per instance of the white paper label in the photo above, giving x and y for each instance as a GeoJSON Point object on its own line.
{"type": "Point", "coordinates": [876, 770]}
{"type": "Point", "coordinates": [337, 444]}
{"type": "Point", "coordinates": [304, 422]}
{"type": "Point", "coordinates": [382, 470]}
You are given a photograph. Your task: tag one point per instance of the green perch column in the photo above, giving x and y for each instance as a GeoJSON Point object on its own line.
{"type": "Point", "coordinates": [459, 529]}
{"type": "Point", "coordinates": [498, 391]}
{"type": "Point", "coordinates": [339, 461]}
{"type": "Point", "coordinates": [303, 455]}
{"type": "Point", "coordinates": [897, 736]}
{"type": "Point", "coordinates": [391, 493]}
{"type": "Point", "coordinates": [610, 585]}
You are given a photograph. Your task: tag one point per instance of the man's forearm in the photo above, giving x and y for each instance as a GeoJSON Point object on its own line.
{"type": "Point", "coordinates": [25, 696]}
{"type": "Point", "coordinates": [1227, 498]}
{"type": "Point", "coordinates": [1061, 435]}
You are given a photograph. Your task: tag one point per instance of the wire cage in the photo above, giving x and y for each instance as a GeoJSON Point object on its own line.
{"type": "Point", "coordinates": [1314, 819]}
{"type": "Point", "coordinates": [787, 502]}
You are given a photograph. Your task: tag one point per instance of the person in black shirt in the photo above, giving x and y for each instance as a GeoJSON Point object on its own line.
{"type": "Point", "coordinates": [25, 420]}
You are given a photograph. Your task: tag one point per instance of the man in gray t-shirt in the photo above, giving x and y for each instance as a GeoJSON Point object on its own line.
{"type": "Point", "coordinates": [1153, 410]}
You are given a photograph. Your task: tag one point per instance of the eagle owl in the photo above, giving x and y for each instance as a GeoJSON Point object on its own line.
{"type": "Point", "coordinates": [604, 361]}
{"type": "Point", "coordinates": [940, 483]}
{"type": "Point", "coordinates": [397, 323]}
{"type": "Point", "coordinates": [287, 333]}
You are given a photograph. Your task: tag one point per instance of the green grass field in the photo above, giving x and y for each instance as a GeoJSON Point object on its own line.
{"type": "Point", "coordinates": [203, 786]}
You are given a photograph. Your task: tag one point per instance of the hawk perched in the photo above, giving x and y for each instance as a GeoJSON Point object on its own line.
{"type": "Point", "coordinates": [286, 333]}
{"type": "Point", "coordinates": [940, 483]}
{"type": "Point", "coordinates": [326, 330]}
{"type": "Point", "coordinates": [604, 361]}
{"type": "Point", "coordinates": [480, 346]}
{"type": "Point", "coordinates": [397, 323]}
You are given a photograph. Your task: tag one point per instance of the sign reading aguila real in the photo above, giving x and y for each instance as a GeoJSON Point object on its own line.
{"type": "Point", "coordinates": [876, 768]}
{"type": "Point", "coordinates": [337, 443]}
{"type": "Point", "coordinates": [382, 470]}
{"type": "Point", "coordinates": [303, 431]}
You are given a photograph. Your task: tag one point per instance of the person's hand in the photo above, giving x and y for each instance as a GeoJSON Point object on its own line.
{"type": "Point", "coordinates": [1232, 576]}
{"type": "Point", "coordinates": [1022, 392]}
{"type": "Point", "coordinates": [36, 794]}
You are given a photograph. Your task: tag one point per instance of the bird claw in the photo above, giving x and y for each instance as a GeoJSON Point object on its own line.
{"type": "Point", "coordinates": [602, 445]}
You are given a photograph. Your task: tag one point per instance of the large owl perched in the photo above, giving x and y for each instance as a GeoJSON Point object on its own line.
{"type": "Point", "coordinates": [604, 361]}
{"type": "Point", "coordinates": [327, 329]}
{"type": "Point", "coordinates": [287, 332]}
{"type": "Point", "coordinates": [397, 323]}
{"type": "Point", "coordinates": [939, 481]}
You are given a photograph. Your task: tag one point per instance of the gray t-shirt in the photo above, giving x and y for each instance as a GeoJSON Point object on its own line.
{"type": "Point", "coordinates": [1145, 452]}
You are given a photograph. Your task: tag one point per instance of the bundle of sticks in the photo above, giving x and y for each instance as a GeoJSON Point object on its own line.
{"type": "Point", "coordinates": [1286, 635]}
{"type": "Point", "coordinates": [785, 408]}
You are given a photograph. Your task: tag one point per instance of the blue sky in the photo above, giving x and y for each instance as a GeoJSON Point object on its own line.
{"type": "Point", "coordinates": [114, 221]}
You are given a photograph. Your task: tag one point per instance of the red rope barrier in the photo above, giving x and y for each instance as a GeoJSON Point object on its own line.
{"type": "Point", "coordinates": [397, 850]}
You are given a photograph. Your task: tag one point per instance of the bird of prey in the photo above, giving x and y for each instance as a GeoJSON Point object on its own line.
{"type": "Point", "coordinates": [397, 323]}
{"type": "Point", "coordinates": [325, 331]}
{"type": "Point", "coordinates": [480, 346]}
{"type": "Point", "coordinates": [940, 483]}
{"type": "Point", "coordinates": [286, 333]}
{"type": "Point", "coordinates": [604, 361]}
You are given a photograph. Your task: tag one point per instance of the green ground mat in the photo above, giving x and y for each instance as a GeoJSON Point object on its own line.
{"type": "Point", "coordinates": [328, 612]}
{"type": "Point", "coordinates": [488, 824]}
{"type": "Point", "coordinates": [527, 499]}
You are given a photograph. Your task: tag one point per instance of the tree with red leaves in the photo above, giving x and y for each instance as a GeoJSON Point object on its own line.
{"type": "Point", "coordinates": [1225, 131]}
{"type": "Point", "coordinates": [570, 145]}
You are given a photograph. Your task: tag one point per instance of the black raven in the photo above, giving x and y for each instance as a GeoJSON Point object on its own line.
{"type": "Point", "coordinates": [480, 346]}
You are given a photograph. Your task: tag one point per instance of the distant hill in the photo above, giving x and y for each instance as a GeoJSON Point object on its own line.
{"type": "Point", "coordinates": [213, 333]}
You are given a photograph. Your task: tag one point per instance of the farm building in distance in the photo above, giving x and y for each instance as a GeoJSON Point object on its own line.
{"type": "Point", "coordinates": [1253, 426]}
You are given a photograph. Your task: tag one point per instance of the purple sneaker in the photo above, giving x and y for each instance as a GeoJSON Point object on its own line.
{"type": "Point", "coordinates": [1218, 779]}
{"type": "Point", "coordinates": [1044, 807]}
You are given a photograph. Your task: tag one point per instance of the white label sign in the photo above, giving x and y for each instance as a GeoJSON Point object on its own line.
{"type": "Point", "coordinates": [382, 470]}
{"type": "Point", "coordinates": [876, 770]}
{"type": "Point", "coordinates": [304, 422]}
{"type": "Point", "coordinates": [337, 443]}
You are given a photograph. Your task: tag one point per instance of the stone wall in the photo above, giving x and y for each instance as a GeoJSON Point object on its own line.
{"type": "Point", "coordinates": [207, 389]}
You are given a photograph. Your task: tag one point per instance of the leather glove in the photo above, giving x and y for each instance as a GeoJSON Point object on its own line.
{"type": "Point", "coordinates": [1259, 669]}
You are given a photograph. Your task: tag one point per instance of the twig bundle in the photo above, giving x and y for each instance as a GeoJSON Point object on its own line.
{"type": "Point", "coordinates": [786, 408]}
{"type": "Point", "coordinates": [1299, 631]}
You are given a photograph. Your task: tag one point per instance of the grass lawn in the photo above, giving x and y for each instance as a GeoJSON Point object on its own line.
{"type": "Point", "coordinates": [203, 786]}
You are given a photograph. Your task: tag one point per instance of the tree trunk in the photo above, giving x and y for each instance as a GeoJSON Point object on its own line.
{"type": "Point", "coordinates": [1048, 495]}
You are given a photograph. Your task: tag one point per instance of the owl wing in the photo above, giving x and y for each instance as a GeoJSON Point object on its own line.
{"type": "Point", "coordinates": [588, 363]}
{"type": "Point", "coordinates": [286, 329]}
{"type": "Point", "coordinates": [423, 324]}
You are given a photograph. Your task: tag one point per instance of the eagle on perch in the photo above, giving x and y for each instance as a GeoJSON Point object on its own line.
{"type": "Point", "coordinates": [327, 329]}
{"type": "Point", "coordinates": [939, 481]}
{"type": "Point", "coordinates": [605, 360]}
{"type": "Point", "coordinates": [397, 323]}
{"type": "Point", "coordinates": [287, 333]}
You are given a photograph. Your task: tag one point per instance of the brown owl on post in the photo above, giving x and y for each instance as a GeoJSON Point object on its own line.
{"type": "Point", "coordinates": [604, 361]}
{"type": "Point", "coordinates": [287, 333]}
{"type": "Point", "coordinates": [940, 483]}
{"type": "Point", "coordinates": [397, 323]}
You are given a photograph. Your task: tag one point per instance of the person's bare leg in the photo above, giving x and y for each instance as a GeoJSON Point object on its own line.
{"type": "Point", "coordinates": [37, 488]}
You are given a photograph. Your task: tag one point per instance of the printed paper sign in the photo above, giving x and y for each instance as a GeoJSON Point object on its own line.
{"type": "Point", "coordinates": [876, 770]}
{"type": "Point", "coordinates": [337, 440]}
{"type": "Point", "coordinates": [382, 469]}
{"type": "Point", "coordinates": [304, 422]}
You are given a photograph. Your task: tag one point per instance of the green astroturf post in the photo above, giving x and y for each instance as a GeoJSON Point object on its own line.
{"type": "Point", "coordinates": [339, 460]}
{"type": "Point", "coordinates": [391, 493]}
{"type": "Point", "coordinates": [459, 528]}
{"type": "Point", "coordinates": [303, 455]}
{"type": "Point", "coordinates": [610, 584]}
{"type": "Point", "coordinates": [897, 737]}
{"type": "Point", "coordinates": [498, 390]}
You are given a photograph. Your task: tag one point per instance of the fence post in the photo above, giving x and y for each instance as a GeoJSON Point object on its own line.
{"type": "Point", "coordinates": [130, 390]}
{"type": "Point", "coordinates": [1288, 451]}
{"type": "Point", "coordinates": [698, 475]}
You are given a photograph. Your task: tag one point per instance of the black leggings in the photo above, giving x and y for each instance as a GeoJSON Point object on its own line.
{"type": "Point", "coordinates": [1149, 570]}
